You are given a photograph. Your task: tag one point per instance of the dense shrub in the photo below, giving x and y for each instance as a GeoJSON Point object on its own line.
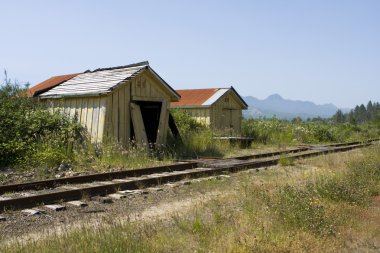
{"type": "Point", "coordinates": [185, 122]}
{"type": "Point", "coordinates": [197, 139]}
{"type": "Point", "coordinates": [277, 131]}
{"type": "Point", "coordinates": [30, 135]}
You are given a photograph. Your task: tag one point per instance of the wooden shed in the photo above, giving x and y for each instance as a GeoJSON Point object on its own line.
{"type": "Point", "coordinates": [121, 103]}
{"type": "Point", "coordinates": [218, 108]}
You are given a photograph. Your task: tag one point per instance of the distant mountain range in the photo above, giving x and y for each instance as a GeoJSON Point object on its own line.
{"type": "Point", "coordinates": [275, 105]}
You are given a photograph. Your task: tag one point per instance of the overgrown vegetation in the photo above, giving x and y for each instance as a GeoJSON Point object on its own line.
{"type": "Point", "coordinates": [29, 135]}
{"type": "Point", "coordinates": [275, 131]}
{"type": "Point", "coordinates": [261, 212]}
{"type": "Point", "coordinates": [197, 139]}
{"type": "Point", "coordinates": [32, 137]}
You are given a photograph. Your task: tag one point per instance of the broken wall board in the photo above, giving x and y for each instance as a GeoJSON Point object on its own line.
{"type": "Point", "coordinates": [163, 124]}
{"type": "Point", "coordinates": [138, 125]}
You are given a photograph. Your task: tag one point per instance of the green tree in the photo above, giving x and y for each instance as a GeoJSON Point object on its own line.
{"type": "Point", "coordinates": [339, 117]}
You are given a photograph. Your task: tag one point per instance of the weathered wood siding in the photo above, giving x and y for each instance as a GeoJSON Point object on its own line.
{"type": "Point", "coordinates": [227, 113]}
{"type": "Point", "coordinates": [143, 87]}
{"type": "Point", "coordinates": [108, 117]}
{"type": "Point", "coordinates": [201, 115]}
{"type": "Point", "coordinates": [89, 111]}
{"type": "Point", "coordinates": [224, 115]}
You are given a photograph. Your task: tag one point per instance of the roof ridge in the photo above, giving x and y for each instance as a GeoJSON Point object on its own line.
{"type": "Point", "coordinates": [120, 67]}
{"type": "Point", "coordinates": [203, 89]}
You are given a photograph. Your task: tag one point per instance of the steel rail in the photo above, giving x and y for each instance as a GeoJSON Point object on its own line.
{"type": "Point", "coordinates": [52, 183]}
{"type": "Point", "coordinates": [146, 181]}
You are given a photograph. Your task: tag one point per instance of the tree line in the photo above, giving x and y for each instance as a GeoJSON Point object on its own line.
{"type": "Point", "coordinates": [360, 114]}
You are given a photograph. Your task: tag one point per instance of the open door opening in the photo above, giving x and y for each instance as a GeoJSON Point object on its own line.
{"type": "Point", "coordinates": [150, 114]}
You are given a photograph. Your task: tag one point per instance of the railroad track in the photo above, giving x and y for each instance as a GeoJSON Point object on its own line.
{"type": "Point", "coordinates": [123, 182]}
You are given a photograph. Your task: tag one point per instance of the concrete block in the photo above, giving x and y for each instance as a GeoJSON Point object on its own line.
{"type": "Point", "coordinates": [171, 185]}
{"type": "Point", "coordinates": [222, 176]}
{"type": "Point", "coordinates": [154, 189]}
{"type": "Point", "coordinates": [56, 207]}
{"type": "Point", "coordinates": [32, 212]}
{"type": "Point", "coordinates": [117, 196]}
{"type": "Point", "coordinates": [77, 203]}
{"type": "Point", "coordinates": [104, 200]}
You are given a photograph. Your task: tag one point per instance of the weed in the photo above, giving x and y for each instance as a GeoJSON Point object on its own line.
{"type": "Point", "coordinates": [301, 209]}
{"type": "Point", "coordinates": [286, 161]}
{"type": "Point", "coordinates": [357, 184]}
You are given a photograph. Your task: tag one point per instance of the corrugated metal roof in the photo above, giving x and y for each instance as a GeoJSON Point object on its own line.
{"type": "Point", "coordinates": [101, 81]}
{"type": "Point", "coordinates": [48, 84]}
{"type": "Point", "coordinates": [194, 97]}
{"type": "Point", "coordinates": [96, 82]}
{"type": "Point", "coordinates": [203, 97]}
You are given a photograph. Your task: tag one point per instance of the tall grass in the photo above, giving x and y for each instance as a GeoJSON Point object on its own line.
{"type": "Point", "coordinates": [266, 214]}
{"type": "Point", "coordinates": [277, 131]}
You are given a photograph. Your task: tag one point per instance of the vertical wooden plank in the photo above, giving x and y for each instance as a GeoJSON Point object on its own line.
{"type": "Point", "coordinates": [95, 120]}
{"type": "Point", "coordinates": [101, 121]}
{"type": "Point", "coordinates": [115, 115]}
{"type": "Point", "coordinates": [127, 97]}
{"type": "Point", "coordinates": [83, 116]}
{"type": "Point", "coordinates": [67, 107]}
{"type": "Point", "coordinates": [133, 88]}
{"type": "Point", "coordinates": [61, 106]}
{"type": "Point", "coordinates": [122, 115]}
{"type": "Point", "coordinates": [138, 126]}
{"type": "Point", "coordinates": [108, 119]}
{"type": "Point", "coordinates": [148, 88]}
{"type": "Point", "coordinates": [163, 124]}
{"type": "Point", "coordinates": [72, 107]}
{"type": "Point", "coordinates": [138, 86]}
{"type": "Point", "coordinates": [144, 92]}
{"type": "Point", "coordinates": [89, 115]}
{"type": "Point", "coordinates": [78, 108]}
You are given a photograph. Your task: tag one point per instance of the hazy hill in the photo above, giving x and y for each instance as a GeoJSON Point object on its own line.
{"type": "Point", "coordinates": [275, 105]}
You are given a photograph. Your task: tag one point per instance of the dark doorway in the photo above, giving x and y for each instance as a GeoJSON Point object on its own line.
{"type": "Point", "coordinates": [150, 112]}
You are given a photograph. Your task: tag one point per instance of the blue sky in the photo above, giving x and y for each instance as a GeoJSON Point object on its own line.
{"type": "Point", "coordinates": [316, 50]}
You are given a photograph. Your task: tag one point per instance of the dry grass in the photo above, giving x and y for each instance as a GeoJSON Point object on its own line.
{"type": "Point", "coordinates": [277, 210]}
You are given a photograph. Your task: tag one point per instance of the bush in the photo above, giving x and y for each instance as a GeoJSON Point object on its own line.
{"type": "Point", "coordinates": [185, 122]}
{"type": "Point", "coordinates": [275, 131]}
{"type": "Point", "coordinates": [30, 135]}
{"type": "Point", "coordinates": [197, 139]}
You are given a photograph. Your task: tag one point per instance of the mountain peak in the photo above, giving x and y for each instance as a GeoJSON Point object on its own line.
{"type": "Point", "coordinates": [287, 108]}
{"type": "Point", "coordinates": [275, 97]}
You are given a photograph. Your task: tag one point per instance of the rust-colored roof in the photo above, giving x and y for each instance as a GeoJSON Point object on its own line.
{"type": "Point", "coordinates": [49, 83]}
{"type": "Point", "coordinates": [194, 97]}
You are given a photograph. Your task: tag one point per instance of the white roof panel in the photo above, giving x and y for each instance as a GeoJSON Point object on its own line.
{"type": "Point", "coordinates": [215, 97]}
{"type": "Point", "coordinates": [95, 82]}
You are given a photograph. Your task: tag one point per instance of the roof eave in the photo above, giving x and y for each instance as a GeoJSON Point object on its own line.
{"type": "Point", "coordinates": [191, 106]}
{"type": "Point", "coordinates": [175, 94]}
{"type": "Point", "coordinates": [241, 99]}
{"type": "Point", "coordinates": [90, 94]}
